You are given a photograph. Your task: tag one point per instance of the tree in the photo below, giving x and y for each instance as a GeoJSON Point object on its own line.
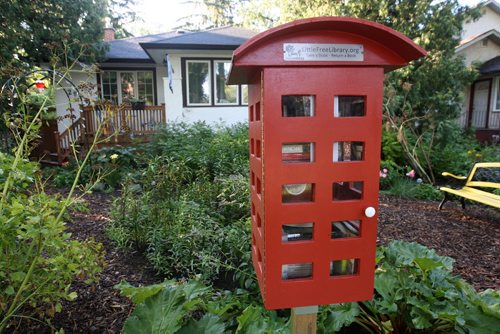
{"type": "Point", "coordinates": [120, 13]}
{"type": "Point", "coordinates": [30, 31]}
{"type": "Point", "coordinates": [425, 96]}
{"type": "Point", "coordinates": [212, 14]}
{"type": "Point", "coordinates": [259, 14]}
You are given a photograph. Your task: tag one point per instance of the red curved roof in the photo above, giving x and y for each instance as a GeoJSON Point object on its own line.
{"type": "Point", "coordinates": [383, 46]}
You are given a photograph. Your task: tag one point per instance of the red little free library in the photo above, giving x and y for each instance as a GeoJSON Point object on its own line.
{"type": "Point", "coordinates": [315, 114]}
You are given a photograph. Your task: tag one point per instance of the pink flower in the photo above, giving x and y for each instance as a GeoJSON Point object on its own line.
{"type": "Point", "coordinates": [411, 174]}
{"type": "Point", "coordinates": [383, 174]}
{"type": "Point", "coordinates": [385, 170]}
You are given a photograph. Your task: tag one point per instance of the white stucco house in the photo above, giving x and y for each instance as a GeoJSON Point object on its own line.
{"type": "Point", "coordinates": [480, 45]}
{"type": "Point", "coordinates": [176, 76]}
{"type": "Point", "coordinates": [184, 71]}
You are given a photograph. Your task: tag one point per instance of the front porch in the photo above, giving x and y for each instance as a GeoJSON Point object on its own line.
{"type": "Point", "coordinates": [484, 104]}
{"type": "Point", "coordinates": [117, 125]}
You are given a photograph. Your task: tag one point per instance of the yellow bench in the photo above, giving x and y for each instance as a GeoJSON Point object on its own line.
{"type": "Point", "coordinates": [483, 175]}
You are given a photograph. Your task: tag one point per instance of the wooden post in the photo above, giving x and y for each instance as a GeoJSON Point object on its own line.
{"type": "Point", "coordinates": [304, 320]}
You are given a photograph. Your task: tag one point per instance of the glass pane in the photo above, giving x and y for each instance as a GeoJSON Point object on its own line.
{"type": "Point", "coordinates": [497, 103]}
{"type": "Point", "coordinates": [349, 106]}
{"type": "Point", "coordinates": [106, 91]}
{"type": "Point", "coordinates": [302, 192]}
{"type": "Point", "coordinates": [198, 82]}
{"type": "Point", "coordinates": [244, 94]}
{"type": "Point", "coordinates": [145, 87]}
{"type": "Point", "coordinates": [348, 151]}
{"type": "Point", "coordinates": [296, 232]}
{"type": "Point", "coordinates": [297, 106]}
{"type": "Point", "coordinates": [300, 270]}
{"type": "Point", "coordinates": [297, 152]}
{"type": "Point", "coordinates": [346, 229]}
{"type": "Point", "coordinates": [109, 77]}
{"type": "Point", "coordinates": [224, 94]}
{"type": "Point", "coordinates": [127, 85]}
{"type": "Point", "coordinates": [345, 191]}
{"type": "Point", "coordinates": [344, 267]}
{"type": "Point", "coordinates": [109, 86]}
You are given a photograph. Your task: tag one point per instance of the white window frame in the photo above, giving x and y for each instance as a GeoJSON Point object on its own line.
{"type": "Point", "coordinates": [496, 94]}
{"type": "Point", "coordinates": [238, 89]}
{"type": "Point", "coordinates": [240, 102]}
{"type": "Point", "coordinates": [243, 101]}
{"type": "Point", "coordinates": [119, 83]}
{"type": "Point", "coordinates": [209, 103]}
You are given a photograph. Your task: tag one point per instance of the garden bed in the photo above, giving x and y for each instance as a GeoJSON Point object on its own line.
{"type": "Point", "coordinates": [470, 237]}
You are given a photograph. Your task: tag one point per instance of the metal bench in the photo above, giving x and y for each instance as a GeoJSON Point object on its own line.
{"type": "Point", "coordinates": [474, 187]}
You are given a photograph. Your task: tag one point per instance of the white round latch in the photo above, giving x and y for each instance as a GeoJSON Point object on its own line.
{"type": "Point", "coordinates": [370, 211]}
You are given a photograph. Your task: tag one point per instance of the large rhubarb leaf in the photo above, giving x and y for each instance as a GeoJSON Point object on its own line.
{"type": "Point", "coordinates": [333, 317]}
{"type": "Point", "coordinates": [252, 320]}
{"type": "Point", "coordinates": [139, 294]}
{"type": "Point", "coordinates": [209, 324]}
{"type": "Point", "coordinates": [160, 313]}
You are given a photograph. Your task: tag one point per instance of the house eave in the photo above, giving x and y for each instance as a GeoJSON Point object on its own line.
{"type": "Point", "coordinates": [493, 34]}
{"type": "Point", "coordinates": [183, 46]}
{"type": "Point", "coordinates": [128, 61]}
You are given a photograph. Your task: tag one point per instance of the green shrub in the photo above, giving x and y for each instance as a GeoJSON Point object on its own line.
{"type": "Point", "coordinates": [392, 152]}
{"type": "Point", "coordinates": [190, 244]}
{"type": "Point", "coordinates": [109, 165]}
{"type": "Point", "coordinates": [191, 205]}
{"type": "Point", "coordinates": [39, 261]}
{"type": "Point", "coordinates": [214, 151]}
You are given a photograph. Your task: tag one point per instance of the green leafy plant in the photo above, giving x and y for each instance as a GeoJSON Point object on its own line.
{"type": "Point", "coordinates": [39, 260]}
{"type": "Point", "coordinates": [111, 165]}
{"type": "Point", "coordinates": [191, 307]}
{"type": "Point", "coordinates": [416, 292]}
{"type": "Point", "coordinates": [187, 207]}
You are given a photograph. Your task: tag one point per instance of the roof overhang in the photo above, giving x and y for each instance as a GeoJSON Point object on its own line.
{"type": "Point", "coordinates": [492, 66]}
{"type": "Point", "coordinates": [492, 34]}
{"type": "Point", "coordinates": [182, 46]}
{"type": "Point", "coordinates": [493, 5]}
{"type": "Point", "coordinates": [384, 47]}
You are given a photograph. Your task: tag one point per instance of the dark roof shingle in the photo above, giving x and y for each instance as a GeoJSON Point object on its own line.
{"type": "Point", "coordinates": [224, 38]}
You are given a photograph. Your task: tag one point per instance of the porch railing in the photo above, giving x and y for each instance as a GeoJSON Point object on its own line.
{"type": "Point", "coordinates": [120, 120]}
{"type": "Point", "coordinates": [67, 138]}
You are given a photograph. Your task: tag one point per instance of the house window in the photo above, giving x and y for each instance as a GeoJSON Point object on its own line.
{"type": "Point", "coordinates": [123, 86]}
{"type": "Point", "coordinates": [496, 101]}
{"type": "Point", "coordinates": [198, 82]}
{"type": "Point", "coordinates": [224, 94]}
{"type": "Point", "coordinates": [109, 87]}
{"type": "Point", "coordinates": [205, 84]}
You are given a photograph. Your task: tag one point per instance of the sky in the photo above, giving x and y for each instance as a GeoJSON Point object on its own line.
{"type": "Point", "coordinates": [163, 15]}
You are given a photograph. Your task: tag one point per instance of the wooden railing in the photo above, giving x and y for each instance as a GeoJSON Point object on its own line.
{"type": "Point", "coordinates": [120, 124]}
{"type": "Point", "coordinates": [65, 140]}
{"type": "Point", "coordinates": [123, 120]}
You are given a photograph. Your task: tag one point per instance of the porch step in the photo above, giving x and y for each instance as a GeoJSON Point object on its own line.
{"type": "Point", "coordinates": [49, 163]}
{"type": "Point", "coordinates": [50, 159]}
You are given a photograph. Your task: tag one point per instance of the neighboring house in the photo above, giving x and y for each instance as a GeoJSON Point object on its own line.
{"type": "Point", "coordinates": [481, 45]}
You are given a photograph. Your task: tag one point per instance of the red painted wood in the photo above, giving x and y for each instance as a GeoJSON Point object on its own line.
{"type": "Point", "coordinates": [382, 46]}
{"type": "Point", "coordinates": [260, 64]}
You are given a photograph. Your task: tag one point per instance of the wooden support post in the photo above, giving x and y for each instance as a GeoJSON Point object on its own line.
{"type": "Point", "coordinates": [304, 320]}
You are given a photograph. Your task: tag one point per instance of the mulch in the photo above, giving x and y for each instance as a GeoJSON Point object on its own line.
{"type": "Point", "coordinates": [471, 237]}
